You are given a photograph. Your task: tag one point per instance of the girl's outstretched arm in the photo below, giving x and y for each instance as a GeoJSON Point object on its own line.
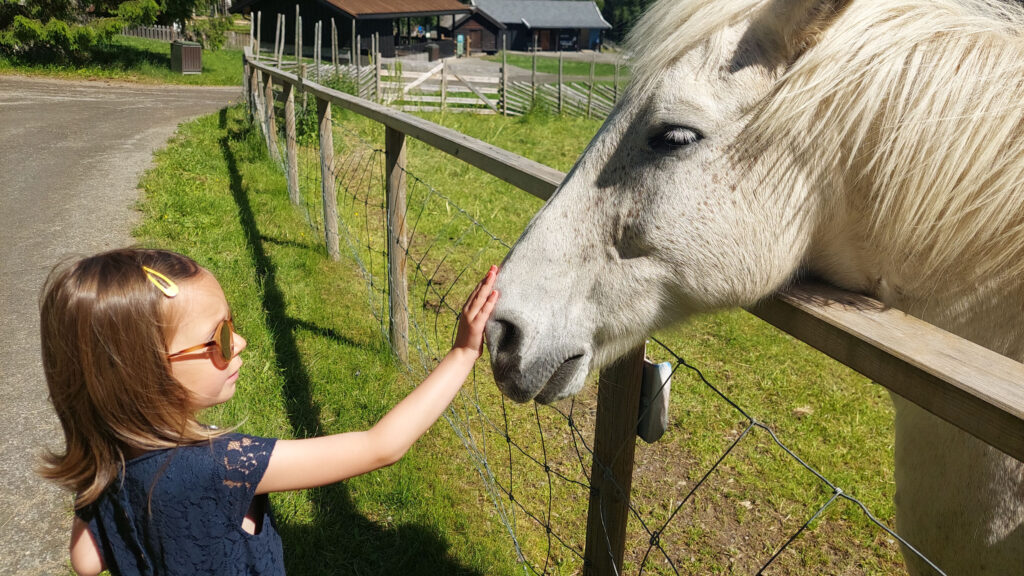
{"type": "Point", "coordinates": [299, 464]}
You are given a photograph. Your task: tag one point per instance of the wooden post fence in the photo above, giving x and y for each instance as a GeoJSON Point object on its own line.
{"type": "Point", "coordinates": [323, 111]}
{"type": "Point", "coordinates": [611, 477]}
{"type": "Point", "coordinates": [398, 330]}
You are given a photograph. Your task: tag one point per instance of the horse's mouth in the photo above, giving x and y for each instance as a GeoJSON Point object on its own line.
{"type": "Point", "coordinates": [566, 380]}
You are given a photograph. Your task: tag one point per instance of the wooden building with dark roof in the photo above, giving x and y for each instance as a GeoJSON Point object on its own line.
{"type": "Point", "coordinates": [397, 22]}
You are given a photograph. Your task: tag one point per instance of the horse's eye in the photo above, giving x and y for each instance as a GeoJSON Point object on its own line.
{"type": "Point", "coordinates": [673, 138]}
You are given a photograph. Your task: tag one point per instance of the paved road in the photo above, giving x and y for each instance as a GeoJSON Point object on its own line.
{"type": "Point", "coordinates": [71, 155]}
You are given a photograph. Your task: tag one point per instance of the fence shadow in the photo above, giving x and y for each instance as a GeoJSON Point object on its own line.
{"type": "Point", "coordinates": [340, 540]}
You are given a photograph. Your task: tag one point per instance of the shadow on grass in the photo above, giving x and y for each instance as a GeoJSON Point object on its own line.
{"type": "Point", "coordinates": [340, 540]}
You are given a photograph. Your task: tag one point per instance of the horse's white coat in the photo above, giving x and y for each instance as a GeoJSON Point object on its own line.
{"type": "Point", "coordinates": [863, 141]}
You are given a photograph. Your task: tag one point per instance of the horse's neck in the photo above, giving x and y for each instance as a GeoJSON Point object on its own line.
{"type": "Point", "coordinates": [989, 312]}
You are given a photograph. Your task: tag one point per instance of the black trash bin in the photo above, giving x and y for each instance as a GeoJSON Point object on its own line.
{"type": "Point", "coordinates": [186, 57]}
{"type": "Point", "coordinates": [433, 52]}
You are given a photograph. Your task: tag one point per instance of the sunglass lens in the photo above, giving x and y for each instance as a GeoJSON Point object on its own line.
{"type": "Point", "coordinates": [225, 341]}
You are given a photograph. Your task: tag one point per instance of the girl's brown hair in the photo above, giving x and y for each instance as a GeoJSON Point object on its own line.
{"type": "Point", "coordinates": [104, 331]}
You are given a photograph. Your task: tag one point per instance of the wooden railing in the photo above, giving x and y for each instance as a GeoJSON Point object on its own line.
{"type": "Point", "coordinates": [976, 389]}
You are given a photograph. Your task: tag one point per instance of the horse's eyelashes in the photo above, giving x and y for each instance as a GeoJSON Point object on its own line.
{"type": "Point", "coordinates": [674, 137]}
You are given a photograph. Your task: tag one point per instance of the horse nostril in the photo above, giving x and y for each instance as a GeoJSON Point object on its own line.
{"type": "Point", "coordinates": [507, 337]}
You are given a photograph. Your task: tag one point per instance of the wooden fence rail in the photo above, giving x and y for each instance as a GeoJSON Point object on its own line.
{"type": "Point", "coordinates": [978, 390]}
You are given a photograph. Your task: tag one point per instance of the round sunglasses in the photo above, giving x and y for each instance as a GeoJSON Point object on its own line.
{"type": "Point", "coordinates": [223, 341]}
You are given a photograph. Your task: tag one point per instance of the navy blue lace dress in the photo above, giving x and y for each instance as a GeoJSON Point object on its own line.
{"type": "Point", "coordinates": [180, 511]}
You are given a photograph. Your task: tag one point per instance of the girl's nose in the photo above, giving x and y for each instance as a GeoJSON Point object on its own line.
{"type": "Point", "coordinates": [240, 343]}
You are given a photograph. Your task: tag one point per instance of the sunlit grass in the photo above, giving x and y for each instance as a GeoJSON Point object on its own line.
{"type": "Point", "coordinates": [135, 60]}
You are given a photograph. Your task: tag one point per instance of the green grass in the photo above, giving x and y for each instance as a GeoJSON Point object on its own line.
{"type": "Point", "coordinates": [136, 60]}
{"type": "Point", "coordinates": [549, 65]}
{"type": "Point", "coordinates": [317, 364]}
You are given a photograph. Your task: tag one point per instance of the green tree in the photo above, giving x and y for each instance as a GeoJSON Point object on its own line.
{"type": "Point", "coordinates": [622, 14]}
{"type": "Point", "coordinates": [66, 29]}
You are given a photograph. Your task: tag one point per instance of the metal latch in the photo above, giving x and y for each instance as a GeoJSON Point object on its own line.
{"type": "Point", "coordinates": [654, 401]}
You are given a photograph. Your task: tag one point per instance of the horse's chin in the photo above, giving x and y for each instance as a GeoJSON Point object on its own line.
{"type": "Point", "coordinates": [566, 380]}
{"type": "Point", "coordinates": [540, 384]}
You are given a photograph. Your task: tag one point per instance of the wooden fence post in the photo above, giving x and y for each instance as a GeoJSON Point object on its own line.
{"type": "Point", "coordinates": [253, 95]}
{"type": "Point", "coordinates": [394, 145]}
{"type": "Point", "coordinates": [444, 85]}
{"type": "Point", "coordinates": [377, 97]}
{"type": "Point", "coordinates": [317, 44]}
{"type": "Point", "coordinates": [259, 33]}
{"type": "Point", "coordinates": [279, 46]}
{"type": "Point", "coordinates": [355, 45]}
{"type": "Point", "coordinates": [504, 76]}
{"type": "Point", "coordinates": [269, 123]}
{"type": "Point", "coordinates": [298, 36]}
{"type": "Point", "coordinates": [291, 151]}
{"type": "Point", "coordinates": [334, 49]}
{"type": "Point", "coordinates": [323, 112]}
{"type": "Point", "coordinates": [302, 77]}
{"type": "Point", "coordinates": [359, 67]}
{"type": "Point", "coordinates": [590, 89]}
{"type": "Point", "coordinates": [611, 478]}
{"type": "Point", "coordinates": [533, 73]}
{"type": "Point", "coordinates": [559, 81]}
{"type": "Point", "coordinates": [615, 98]}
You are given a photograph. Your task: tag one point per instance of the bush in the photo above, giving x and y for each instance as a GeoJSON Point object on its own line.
{"type": "Point", "coordinates": [211, 32]}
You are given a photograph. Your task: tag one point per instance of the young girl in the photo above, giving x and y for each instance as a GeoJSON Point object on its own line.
{"type": "Point", "coordinates": [135, 343]}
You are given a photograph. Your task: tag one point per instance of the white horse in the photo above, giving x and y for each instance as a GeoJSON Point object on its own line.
{"type": "Point", "coordinates": [878, 144]}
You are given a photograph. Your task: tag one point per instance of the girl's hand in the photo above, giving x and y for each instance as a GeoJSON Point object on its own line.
{"type": "Point", "coordinates": [475, 313]}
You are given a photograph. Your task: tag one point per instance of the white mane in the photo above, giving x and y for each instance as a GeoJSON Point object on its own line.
{"type": "Point", "coordinates": [912, 110]}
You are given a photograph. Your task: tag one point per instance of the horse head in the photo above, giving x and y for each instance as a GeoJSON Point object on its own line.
{"type": "Point", "coordinates": [660, 218]}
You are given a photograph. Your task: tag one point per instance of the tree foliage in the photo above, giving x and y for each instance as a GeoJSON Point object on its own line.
{"type": "Point", "coordinates": [64, 29]}
{"type": "Point", "coordinates": [621, 14]}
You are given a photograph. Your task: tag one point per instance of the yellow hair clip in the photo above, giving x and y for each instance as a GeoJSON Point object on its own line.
{"type": "Point", "coordinates": [165, 284]}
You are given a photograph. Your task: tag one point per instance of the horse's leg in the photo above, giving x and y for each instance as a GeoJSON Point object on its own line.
{"type": "Point", "coordinates": [958, 500]}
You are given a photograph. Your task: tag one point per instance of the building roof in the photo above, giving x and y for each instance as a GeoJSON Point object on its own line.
{"type": "Point", "coordinates": [378, 9]}
{"type": "Point", "coordinates": [545, 13]}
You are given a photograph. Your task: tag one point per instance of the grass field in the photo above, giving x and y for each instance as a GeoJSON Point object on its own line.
{"type": "Point", "coordinates": [549, 65]}
{"type": "Point", "coordinates": [317, 364]}
{"type": "Point", "coordinates": [138, 60]}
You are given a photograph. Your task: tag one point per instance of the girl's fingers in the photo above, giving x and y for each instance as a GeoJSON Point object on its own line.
{"type": "Point", "coordinates": [489, 304]}
{"type": "Point", "coordinates": [478, 298]}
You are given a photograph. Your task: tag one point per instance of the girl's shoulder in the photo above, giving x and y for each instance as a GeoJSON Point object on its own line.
{"type": "Point", "coordinates": [230, 457]}
{"type": "Point", "coordinates": [174, 503]}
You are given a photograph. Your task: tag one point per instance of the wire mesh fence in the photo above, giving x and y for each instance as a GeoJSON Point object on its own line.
{"type": "Point", "coordinates": [700, 502]}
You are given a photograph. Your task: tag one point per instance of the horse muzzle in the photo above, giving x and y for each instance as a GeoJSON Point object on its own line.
{"type": "Point", "coordinates": [527, 369]}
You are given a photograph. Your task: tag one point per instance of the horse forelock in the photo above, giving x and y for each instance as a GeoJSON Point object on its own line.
{"type": "Point", "coordinates": [914, 109]}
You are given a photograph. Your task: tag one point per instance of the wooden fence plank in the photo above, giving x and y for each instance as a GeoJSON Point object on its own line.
{"type": "Point", "coordinates": [972, 387]}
